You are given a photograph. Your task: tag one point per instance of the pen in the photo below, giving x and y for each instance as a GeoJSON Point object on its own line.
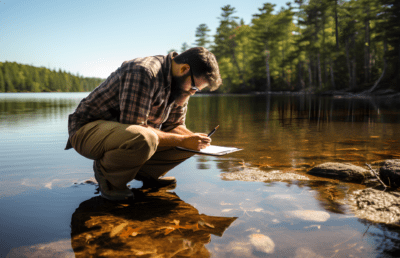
{"type": "Point", "coordinates": [213, 131]}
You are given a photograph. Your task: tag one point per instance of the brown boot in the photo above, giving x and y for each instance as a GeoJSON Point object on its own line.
{"type": "Point", "coordinates": [106, 189]}
{"type": "Point", "coordinates": [150, 182]}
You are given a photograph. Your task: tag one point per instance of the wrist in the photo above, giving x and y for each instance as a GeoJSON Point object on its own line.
{"type": "Point", "coordinates": [171, 139]}
{"type": "Point", "coordinates": [180, 139]}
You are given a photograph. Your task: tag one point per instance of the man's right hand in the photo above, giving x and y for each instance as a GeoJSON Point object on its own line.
{"type": "Point", "coordinates": [196, 141]}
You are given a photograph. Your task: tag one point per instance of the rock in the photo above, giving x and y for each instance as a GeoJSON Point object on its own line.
{"type": "Point", "coordinates": [256, 175]}
{"type": "Point", "coordinates": [390, 173]}
{"type": "Point", "coordinates": [345, 172]}
{"type": "Point", "coordinates": [262, 243]}
{"type": "Point", "coordinates": [377, 206]}
{"type": "Point", "coordinates": [309, 215]}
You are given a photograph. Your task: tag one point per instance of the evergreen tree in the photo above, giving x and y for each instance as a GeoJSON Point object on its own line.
{"type": "Point", "coordinates": [391, 28]}
{"type": "Point", "coordinates": [8, 80]}
{"type": "Point", "coordinates": [225, 49]}
{"type": "Point", "coordinates": [202, 36]}
{"type": "Point", "coordinates": [184, 47]}
{"type": "Point", "coordinates": [76, 85]}
{"type": "Point", "coordinates": [17, 77]}
{"type": "Point", "coordinates": [224, 38]}
{"type": "Point", "coordinates": [263, 36]}
{"type": "Point", "coordinates": [2, 83]}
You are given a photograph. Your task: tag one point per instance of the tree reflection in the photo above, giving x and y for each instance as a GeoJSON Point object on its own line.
{"type": "Point", "coordinates": [156, 224]}
{"type": "Point", "coordinates": [297, 131]}
{"type": "Point", "coordinates": [330, 194]}
{"type": "Point", "coordinates": [387, 237]}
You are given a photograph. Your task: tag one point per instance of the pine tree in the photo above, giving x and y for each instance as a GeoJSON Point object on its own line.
{"type": "Point", "coordinates": [202, 36]}
{"type": "Point", "coordinates": [9, 86]}
{"type": "Point", "coordinates": [224, 48]}
{"type": "Point", "coordinates": [391, 28]}
{"type": "Point", "coordinates": [76, 85]}
{"type": "Point", "coordinates": [2, 83]}
{"type": "Point", "coordinates": [263, 37]}
{"type": "Point", "coordinates": [224, 38]}
{"type": "Point", "coordinates": [184, 47]}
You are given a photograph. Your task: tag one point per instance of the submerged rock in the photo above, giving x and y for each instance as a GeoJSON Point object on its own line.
{"type": "Point", "coordinates": [377, 206]}
{"type": "Point", "coordinates": [256, 175]}
{"type": "Point", "coordinates": [309, 215]}
{"type": "Point", "coordinates": [390, 172]}
{"type": "Point", "coordinates": [345, 172]}
{"type": "Point", "coordinates": [262, 243]}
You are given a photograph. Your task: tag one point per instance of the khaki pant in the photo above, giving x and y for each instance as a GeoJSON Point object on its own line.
{"type": "Point", "coordinates": [125, 150]}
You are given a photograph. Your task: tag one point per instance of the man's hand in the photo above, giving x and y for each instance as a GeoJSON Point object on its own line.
{"type": "Point", "coordinates": [182, 138]}
{"type": "Point", "coordinates": [196, 141]}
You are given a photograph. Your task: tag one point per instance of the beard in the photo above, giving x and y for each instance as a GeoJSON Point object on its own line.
{"type": "Point", "coordinates": [177, 93]}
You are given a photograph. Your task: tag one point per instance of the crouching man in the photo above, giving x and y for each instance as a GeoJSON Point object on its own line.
{"type": "Point", "coordinates": [130, 124]}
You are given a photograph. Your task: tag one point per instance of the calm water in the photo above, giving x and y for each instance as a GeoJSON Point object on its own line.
{"type": "Point", "coordinates": [48, 210]}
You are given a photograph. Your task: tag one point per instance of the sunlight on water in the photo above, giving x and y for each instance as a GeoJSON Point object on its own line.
{"type": "Point", "coordinates": [220, 207]}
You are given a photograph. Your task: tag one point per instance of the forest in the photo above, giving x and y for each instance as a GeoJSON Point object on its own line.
{"type": "Point", "coordinates": [312, 46]}
{"type": "Point", "coordinates": [16, 77]}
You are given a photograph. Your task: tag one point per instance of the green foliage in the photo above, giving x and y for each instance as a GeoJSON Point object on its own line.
{"type": "Point", "coordinates": [184, 47]}
{"type": "Point", "coordinates": [16, 77]}
{"type": "Point", "coordinates": [312, 45]}
{"type": "Point", "coordinates": [202, 35]}
{"type": "Point", "coordinates": [2, 82]}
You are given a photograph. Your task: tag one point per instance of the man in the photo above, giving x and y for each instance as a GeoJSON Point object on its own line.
{"type": "Point", "coordinates": [130, 124]}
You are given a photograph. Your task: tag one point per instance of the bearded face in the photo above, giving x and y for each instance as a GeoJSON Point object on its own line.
{"type": "Point", "coordinates": [178, 92]}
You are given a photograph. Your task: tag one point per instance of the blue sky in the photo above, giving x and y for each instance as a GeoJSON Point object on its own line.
{"type": "Point", "coordinates": [93, 37]}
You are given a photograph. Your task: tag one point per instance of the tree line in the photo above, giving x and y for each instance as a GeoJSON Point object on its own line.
{"type": "Point", "coordinates": [309, 45]}
{"type": "Point", "coordinates": [16, 77]}
{"type": "Point", "coordinates": [314, 45]}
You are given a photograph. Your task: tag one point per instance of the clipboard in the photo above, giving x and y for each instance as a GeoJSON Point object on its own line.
{"type": "Point", "coordinates": [212, 150]}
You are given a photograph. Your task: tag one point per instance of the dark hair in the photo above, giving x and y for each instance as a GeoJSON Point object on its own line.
{"type": "Point", "coordinates": [203, 63]}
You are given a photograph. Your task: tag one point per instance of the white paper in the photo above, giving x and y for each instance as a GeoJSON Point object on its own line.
{"type": "Point", "coordinates": [213, 150]}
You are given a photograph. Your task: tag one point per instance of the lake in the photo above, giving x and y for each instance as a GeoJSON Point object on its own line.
{"type": "Point", "coordinates": [50, 206]}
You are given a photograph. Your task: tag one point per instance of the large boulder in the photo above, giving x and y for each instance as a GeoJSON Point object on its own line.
{"type": "Point", "coordinates": [344, 172]}
{"type": "Point", "coordinates": [390, 172]}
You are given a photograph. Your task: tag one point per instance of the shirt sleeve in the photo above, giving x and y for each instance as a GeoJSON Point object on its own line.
{"type": "Point", "coordinates": [101, 103]}
{"type": "Point", "coordinates": [176, 117]}
{"type": "Point", "coordinates": [135, 95]}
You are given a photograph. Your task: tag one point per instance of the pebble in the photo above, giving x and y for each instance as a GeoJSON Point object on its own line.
{"type": "Point", "coordinates": [262, 243]}
{"type": "Point", "coordinates": [309, 215]}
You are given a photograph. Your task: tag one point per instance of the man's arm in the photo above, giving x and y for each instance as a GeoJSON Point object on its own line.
{"type": "Point", "coordinates": [180, 136]}
{"type": "Point", "coordinates": [182, 130]}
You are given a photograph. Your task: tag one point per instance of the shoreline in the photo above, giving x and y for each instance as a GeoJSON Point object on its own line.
{"type": "Point", "coordinates": [334, 93]}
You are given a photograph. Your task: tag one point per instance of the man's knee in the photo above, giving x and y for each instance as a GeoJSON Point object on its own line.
{"type": "Point", "coordinates": [99, 137]}
{"type": "Point", "coordinates": [144, 142]}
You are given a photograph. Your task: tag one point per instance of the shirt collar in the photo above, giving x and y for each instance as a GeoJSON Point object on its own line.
{"type": "Point", "coordinates": [168, 69]}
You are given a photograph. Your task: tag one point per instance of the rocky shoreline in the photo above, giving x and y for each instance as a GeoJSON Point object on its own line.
{"type": "Point", "coordinates": [381, 206]}
{"type": "Point", "coordinates": [378, 202]}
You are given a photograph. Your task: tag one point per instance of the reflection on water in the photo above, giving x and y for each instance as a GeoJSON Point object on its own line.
{"type": "Point", "coordinates": [300, 131]}
{"type": "Point", "coordinates": [19, 109]}
{"type": "Point", "coordinates": [42, 186]}
{"type": "Point", "coordinates": [157, 224]}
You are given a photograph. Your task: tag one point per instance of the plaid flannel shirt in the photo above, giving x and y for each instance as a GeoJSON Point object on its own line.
{"type": "Point", "coordinates": [136, 93]}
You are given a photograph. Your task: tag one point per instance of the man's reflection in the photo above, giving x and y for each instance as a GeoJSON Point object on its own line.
{"type": "Point", "coordinates": [157, 224]}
